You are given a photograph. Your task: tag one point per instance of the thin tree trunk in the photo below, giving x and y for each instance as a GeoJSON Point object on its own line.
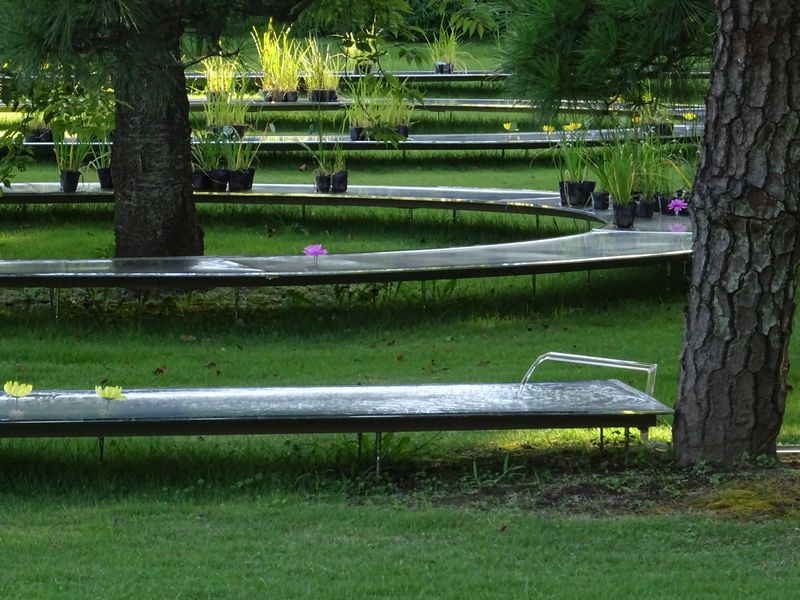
{"type": "Point", "coordinates": [154, 211]}
{"type": "Point", "coordinates": [732, 388]}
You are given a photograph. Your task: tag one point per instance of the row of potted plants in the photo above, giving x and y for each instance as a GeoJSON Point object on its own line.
{"type": "Point", "coordinates": [634, 174]}
{"type": "Point", "coordinates": [378, 109]}
{"type": "Point", "coordinates": [284, 59]}
{"type": "Point", "coordinates": [223, 161]}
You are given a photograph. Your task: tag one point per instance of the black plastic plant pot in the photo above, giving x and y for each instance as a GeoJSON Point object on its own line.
{"type": "Point", "coordinates": [578, 194]}
{"type": "Point", "coordinates": [239, 130]}
{"type": "Point", "coordinates": [104, 177]}
{"type": "Point", "coordinates": [600, 200]}
{"type": "Point", "coordinates": [240, 180]}
{"type": "Point", "coordinates": [562, 193]}
{"type": "Point", "coordinates": [218, 179]}
{"type": "Point", "coordinates": [358, 133]}
{"type": "Point", "coordinates": [322, 183]}
{"type": "Point", "coordinates": [40, 134]}
{"type": "Point", "coordinates": [323, 96]}
{"type": "Point", "coordinates": [645, 208]}
{"type": "Point", "coordinates": [624, 215]}
{"type": "Point", "coordinates": [339, 182]}
{"type": "Point", "coordinates": [403, 131]}
{"type": "Point", "coordinates": [201, 182]}
{"type": "Point", "coordinates": [443, 68]}
{"type": "Point", "coordinates": [290, 96]}
{"type": "Point", "coordinates": [69, 180]}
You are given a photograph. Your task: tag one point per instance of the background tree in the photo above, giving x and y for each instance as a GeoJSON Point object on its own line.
{"type": "Point", "coordinates": [732, 388]}
{"type": "Point", "coordinates": [137, 47]}
{"type": "Point", "coordinates": [575, 50]}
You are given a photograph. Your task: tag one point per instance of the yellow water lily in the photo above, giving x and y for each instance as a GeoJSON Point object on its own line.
{"type": "Point", "coordinates": [507, 126]}
{"type": "Point", "coordinates": [572, 126]}
{"type": "Point", "coordinates": [109, 392]}
{"type": "Point", "coordinates": [17, 389]}
{"type": "Point", "coordinates": [689, 116]}
{"type": "Point", "coordinates": [548, 129]}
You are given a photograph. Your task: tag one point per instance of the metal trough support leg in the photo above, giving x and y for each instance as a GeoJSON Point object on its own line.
{"type": "Point", "coordinates": [55, 300]}
{"type": "Point", "coordinates": [602, 440]}
{"type": "Point", "coordinates": [627, 438]}
{"type": "Point", "coordinates": [378, 442]}
{"type": "Point", "coordinates": [101, 444]}
{"type": "Point", "coordinates": [644, 435]}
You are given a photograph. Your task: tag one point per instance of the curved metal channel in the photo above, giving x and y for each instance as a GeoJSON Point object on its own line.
{"type": "Point", "coordinates": [532, 202]}
{"type": "Point", "coordinates": [524, 140]}
{"type": "Point", "coordinates": [473, 75]}
{"type": "Point", "coordinates": [438, 105]}
{"type": "Point", "coordinates": [654, 241]}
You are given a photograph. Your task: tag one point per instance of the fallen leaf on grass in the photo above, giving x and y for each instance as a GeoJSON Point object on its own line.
{"type": "Point", "coordinates": [159, 370]}
{"type": "Point", "coordinates": [188, 338]}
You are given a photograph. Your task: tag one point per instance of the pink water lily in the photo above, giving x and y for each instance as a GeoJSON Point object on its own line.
{"type": "Point", "coordinates": [678, 228]}
{"type": "Point", "coordinates": [676, 205]}
{"type": "Point", "coordinates": [315, 250]}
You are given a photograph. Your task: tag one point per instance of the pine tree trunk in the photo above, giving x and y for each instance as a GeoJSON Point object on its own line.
{"type": "Point", "coordinates": [732, 388]}
{"type": "Point", "coordinates": [154, 211]}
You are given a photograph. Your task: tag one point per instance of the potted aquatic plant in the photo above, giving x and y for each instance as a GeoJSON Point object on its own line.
{"type": "Point", "coordinates": [445, 51]}
{"type": "Point", "coordinates": [570, 158]}
{"type": "Point", "coordinates": [208, 161]}
{"type": "Point", "coordinates": [616, 171]}
{"type": "Point", "coordinates": [338, 170]}
{"type": "Point", "coordinates": [71, 159]}
{"type": "Point", "coordinates": [38, 129]}
{"type": "Point", "coordinates": [240, 154]}
{"type": "Point", "coordinates": [221, 75]}
{"type": "Point", "coordinates": [395, 114]}
{"type": "Point", "coordinates": [281, 58]}
{"type": "Point", "coordinates": [322, 72]}
{"type": "Point", "coordinates": [101, 162]}
{"type": "Point", "coordinates": [650, 175]}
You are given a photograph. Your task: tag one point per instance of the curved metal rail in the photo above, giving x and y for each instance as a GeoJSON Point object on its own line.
{"type": "Point", "coordinates": [654, 242]}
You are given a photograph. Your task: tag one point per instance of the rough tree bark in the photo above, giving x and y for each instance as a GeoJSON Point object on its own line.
{"type": "Point", "coordinates": [154, 211]}
{"type": "Point", "coordinates": [732, 388]}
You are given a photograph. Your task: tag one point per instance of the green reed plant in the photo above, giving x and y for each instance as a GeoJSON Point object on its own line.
{"type": "Point", "coordinates": [615, 169]}
{"type": "Point", "coordinates": [239, 153]}
{"type": "Point", "coordinates": [281, 58]}
{"type": "Point", "coordinates": [221, 74]}
{"type": "Point", "coordinates": [71, 154]}
{"type": "Point", "coordinates": [208, 151]}
{"type": "Point", "coordinates": [445, 48]}
{"type": "Point", "coordinates": [651, 167]}
{"type": "Point", "coordinates": [570, 156]}
{"type": "Point", "coordinates": [322, 69]}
